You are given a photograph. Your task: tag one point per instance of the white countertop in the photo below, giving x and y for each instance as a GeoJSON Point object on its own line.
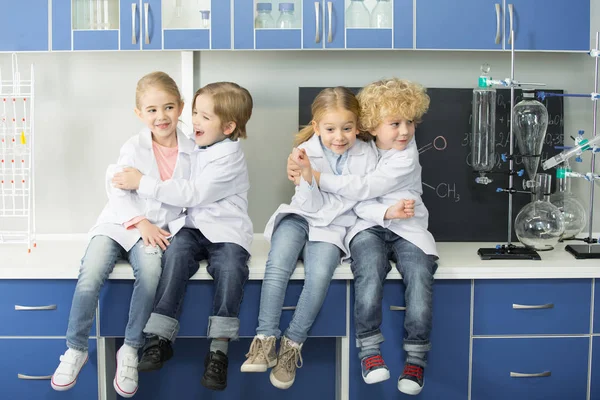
{"type": "Point", "coordinates": [58, 257]}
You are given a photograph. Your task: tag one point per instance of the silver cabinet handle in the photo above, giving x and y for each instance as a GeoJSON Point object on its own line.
{"type": "Point", "coordinates": [498, 36]}
{"type": "Point", "coordinates": [146, 10]}
{"type": "Point", "coordinates": [35, 308]}
{"type": "Point", "coordinates": [288, 308]}
{"type": "Point", "coordinates": [397, 308]}
{"type": "Point", "coordinates": [329, 29]}
{"type": "Point", "coordinates": [538, 375]}
{"type": "Point", "coordinates": [510, 14]}
{"type": "Point", "coordinates": [317, 30]}
{"type": "Point", "coordinates": [133, 10]}
{"type": "Point", "coordinates": [534, 307]}
{"type": "Point", "coordinates": [34, 378]}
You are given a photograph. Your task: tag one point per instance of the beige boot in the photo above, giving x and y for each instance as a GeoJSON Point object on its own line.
{"type": "Point", "coordinates": [261, 355]}
{"type": "Point", "coordinates": [284, 373]}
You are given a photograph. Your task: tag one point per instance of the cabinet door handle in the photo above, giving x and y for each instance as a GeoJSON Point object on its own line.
{"type": "Point", "coordinates": [317, 30]}
{"type": "Point", "coordinates": [510, 33]}
{"type": "Point", "coordinates": [538, 375]}
{"type": "Point", "coordinates": [397, 308]}
{"type": "Point", "coordinates": [498, 36]}
{"type": "Point", "coordinates": [288, 308]}
{"type": "Point", "coordinates": [329, 24]}
{"type": "Point", "coordinates": [533, 307]}
{"type": "Point", "coordinates": [146, 10]}
{"type": "Point", "coordinates": [34, 378]}
{"type": "Point", "coordinates": [35, 308]}
{"type": "Point", "coordinates": [133, 11]}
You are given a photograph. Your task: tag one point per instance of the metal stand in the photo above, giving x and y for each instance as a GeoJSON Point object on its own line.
{"type": "Point", "coordinates": [510, 251]}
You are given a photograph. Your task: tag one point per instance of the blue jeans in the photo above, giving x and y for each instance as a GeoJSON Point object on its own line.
{"type": "Point", "coordinates": [227, 264]}
{"type": "Point", "coordinates": [371, 251]}
{"type": "Point", "coordinates": [288, 244]}
{"type": "Point", "coordinates": [98, 262]}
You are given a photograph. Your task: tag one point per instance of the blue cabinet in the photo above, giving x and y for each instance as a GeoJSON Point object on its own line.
{"type": "Point", "coordinates": [33, 361]}
{"type": "Point", "coordinates": [470, 24]}
{"type": "Point", "coordinates": [530, 369]}
{"type": "Point", "coordinates": [549, 24]}
{"type": "Point", "coordinates": [181, 375]}
{"type": "Point", "coordinates": [36, 307]}
{"type": "Point", "coordinates": [24, 25]}
{"type": "Point", "coordinates": [446, 376]}
{"type": "Point", "coordinates": [399, 36]}
{"type": "Point", "coordinates": [140, 24]}
{"type": "Point", "coordinates": [595, 376]}
{"type": "Point", "coordinates": [536, 306]}
{"type": "Point", "coordinates": [197, 307]}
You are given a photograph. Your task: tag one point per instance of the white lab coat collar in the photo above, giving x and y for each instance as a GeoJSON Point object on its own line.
{"type": "Point", "coordinates": [220, 149]}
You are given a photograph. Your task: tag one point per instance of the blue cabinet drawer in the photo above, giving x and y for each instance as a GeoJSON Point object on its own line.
{"type": "Point", "coordinates": [197, 307]}
{"type": "Point", "coordinates": [597, 306]}
{"type": "Point", "coordinates": [181, 375]}
{"type": "Point", "coordinates": [530, 369]}
{"type": "Point", "coordinates": [35, 307]}
{"type": "Point", "coordinates": [446, 376]}
{"type": "Point", "coordinates": [551, 306]}
{"type": "Point", "coordinates": [595, 377]}
{"type": "Point", "coordinates": [33, 361]}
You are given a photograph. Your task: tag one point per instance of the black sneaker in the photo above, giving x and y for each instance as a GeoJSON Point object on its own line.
{"type": "Point", "coordinates": [411, 380]}
{"type": "Point", "coordinates": [215, 371]}
{"type": "Point", "coordinates": [157, 351]}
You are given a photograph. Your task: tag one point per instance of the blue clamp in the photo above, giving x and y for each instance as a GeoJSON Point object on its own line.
{"type": "Point", "coordinates": [498, 246]}
{"type": "Point", "coordinates": [581, 132]}
{"type": "Point", "coordinates": [499, 190]}
{"type": "Point", "coordinates": [541, 95]}
{"type": "Point", "coordinates": [520, 172]}
{"type": "Point", "coordinates": [503, 157]}
{"type": "Point", "coordinates": [578, 159]}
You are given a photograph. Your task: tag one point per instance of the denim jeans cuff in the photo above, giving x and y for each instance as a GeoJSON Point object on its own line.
{"type": "Point", "coordinates": [370, 339]}
{"type": "Point", "coordinates": [223, 327]}
{"type": "Point", "coordinates": [418, 346]}
{"type": "Point", "coordinates": [76, 347]}
{"type": "Point", "coordinates": [413, 359]}
{"type": "Point", "coordinates": [163, 326]}
{"type": "Point", "coordinates": [135, 345]}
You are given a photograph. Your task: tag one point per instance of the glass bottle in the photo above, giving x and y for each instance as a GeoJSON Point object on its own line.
{"type": "Point", "coordinates": [573, 211]}
{"type": "Point", "coordinates": [263, 18]}
{"type": "Point", "coordinates": [483, 156]}
{"type": "Point", "coordinates": [357, 15]}
{"type": "Point", "coordinates": [205, 18]}
{"type": "Point", "coordinates": [381, 17]}
{"type": "Point", "coordinates": [540, 224]}
{"type": "Point", "coordinates": [530, 119]}
{"type": "Point", "coordinates": [286, 18]}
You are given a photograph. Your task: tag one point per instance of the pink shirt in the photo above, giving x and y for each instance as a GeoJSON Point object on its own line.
{"type": "Point", "coordinates": [166, 159]}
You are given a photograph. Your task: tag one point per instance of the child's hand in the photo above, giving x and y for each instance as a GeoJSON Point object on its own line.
{"type": "Point", "coordinates": [128, 179]}
{"type": "Point", "coordinates": [403, 209]}
{"type": "Point", "coordinates": [300, 158]}
{"type": "Point", "coordinates": [152, 234]}
{"type": "Point", "coordinates": [293, 170]}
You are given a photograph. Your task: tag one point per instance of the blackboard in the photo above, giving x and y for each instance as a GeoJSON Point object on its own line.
{"type": "Point", "coordinates": [460, 209]}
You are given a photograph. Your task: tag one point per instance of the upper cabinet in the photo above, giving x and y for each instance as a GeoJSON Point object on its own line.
{"type": "Point", "coordinates": [24, 25]}
{"type": "Point", "coordinates": [83, 25]}
{"type": "Point", "coordinates": [141, 24]}
{"type": "Point", "coordinates": [560, 25]}
{"type": "Point", "coordinates": [323, 24]}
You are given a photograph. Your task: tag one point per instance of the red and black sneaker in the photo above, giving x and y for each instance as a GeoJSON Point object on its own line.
{"type": "Point", "coordinates": [374, 369]}
{"type": "Point", "coordinates": [411, 380]}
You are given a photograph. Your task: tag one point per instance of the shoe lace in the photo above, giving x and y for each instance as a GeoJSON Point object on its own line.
{"type": "Point", "coordinates": [413, 370]}
{"type": "Point", "coordinates": [255, 348]}
{"type": "Point", "coordinates": [373, 362]}
{"type": "Point", "coordinates": [291, 358]}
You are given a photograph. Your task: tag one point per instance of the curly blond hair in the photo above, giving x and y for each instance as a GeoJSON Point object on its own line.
{"type": "Point", "coordinates": [391, 97]}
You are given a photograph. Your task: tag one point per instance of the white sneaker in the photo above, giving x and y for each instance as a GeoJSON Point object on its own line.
{"type": "Point", "coordinates": [126, 377]}
{"type": "Point", "coordinates": [65, 376]}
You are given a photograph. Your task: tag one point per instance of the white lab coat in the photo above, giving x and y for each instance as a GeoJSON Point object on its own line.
{"type": "Point", "coordinates": [124, 205]}
{"type": "Point", "coordinates": [397, 176]}
{"type": "Point", "coordinates": [329, 215]}
{"type": "Point", "coordinates": [216, 195]}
